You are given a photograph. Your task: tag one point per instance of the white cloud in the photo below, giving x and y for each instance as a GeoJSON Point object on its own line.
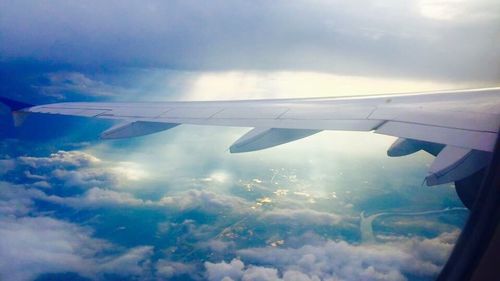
{"type": "Point", "coordinates": [73, 159]}
{"type": "Point", "coordinates": [96, 198]}
{"type": "Point", "coordinates": [84, 177]}
{"type": "Point", "coordinates": [34, 245]}
{"type": "Point", "coordinates": [7, 165]}
{"type": "Point", "coordinates": [134, 262]}
{"type": "Point", "coordinates": [458, 10]}
{"type": "Point", "coordinates": [258, 273]}
{"type": "Point", "coordinates": [205, 200]}
{"type": "Point", "coordinates": [168, 269]}
{"type": "Point", "coordinates": [42, 184]}
{"type": "Point", "coordinates": [15, 200]}
{"type": "Point", "coordinates": [333, 260]}
{"type": "Point", "coordinates": [72, 169]}
{"type": "Point", "coordinates": [300, 216]}
{"type": "Point", "coordinates": [314, 261]}
{"type": "Point", "coordinates": [219, 271]}
{"type": "Point", "coordinates": [292, 275]}
{"type": "Point", "coordinates": [236, 270]}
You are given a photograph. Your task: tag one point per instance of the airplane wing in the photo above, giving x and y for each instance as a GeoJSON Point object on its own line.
{"type": "Point", "coordinates": [459, 127]}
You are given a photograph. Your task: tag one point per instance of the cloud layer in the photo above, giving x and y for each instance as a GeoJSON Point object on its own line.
{"type": "Point", "coordinates": [34, 245]}
{"type": "Point", "coordinates": [331, 260]}
{"type": "Point", "coordinates": [439, 40]}
{"type": "Point", "coordinates": [208, 219]}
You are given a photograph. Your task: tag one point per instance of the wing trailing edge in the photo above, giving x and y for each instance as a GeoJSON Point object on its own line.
{"type": "Point", "coordinates": [135, 129]}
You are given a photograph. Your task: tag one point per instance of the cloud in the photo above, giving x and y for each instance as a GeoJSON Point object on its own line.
{"type": "Point", "coordinates": [18, 200]}
{"type": "Point", "coordinates": [307, 258]}
{"type": "Point", "coordinates": [332, 260]}
{"type": "Point", "coordinates": [35, 245]}
{"type": "Point", "coordinates": [68, 170]}
{"type": "Point", "coordinates": [15, 200]}
{"type": "Point", "coordinates": [412, 39]}
{"type": "Point", "coordinates": [65, 169]}
{"type": "Point", "coordinates": [31, 246]}
{"type": "Point", "coordinates": [98, 198]}
{"type": "Point", "coordinates": [135, 262]}
{"type": "Point", "coordinates": [204, 200]}
{"type": "Point", "coordinates": [236, 270]}
{"type": "Point", "coordinates": [98, 183]}
{"type": "Point", "coordinates": [255, 273]}
{"type": "Point", "coordinates": [60, 159]}
{"type": "Point", "coordinates": [75, 179]}
{"type": "Point", "coordinates": [168, 269]}
{"type": "Point", "coordinates": [62, 84]}
{"type": "Point", "coordinates": [219, 271]}
{"type": "Point", "coordinates": [457, 10]}
{"type": "Point", "coordinates": [7, 165]}
{"type": "Point", "coordinates": [300, 216]}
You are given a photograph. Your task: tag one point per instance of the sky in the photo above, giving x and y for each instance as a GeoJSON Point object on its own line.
{"type": "Point", "coordinates": [177, 205]}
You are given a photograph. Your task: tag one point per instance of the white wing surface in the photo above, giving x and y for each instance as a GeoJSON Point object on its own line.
{"type": "Point", "coordinates": [460, 127]}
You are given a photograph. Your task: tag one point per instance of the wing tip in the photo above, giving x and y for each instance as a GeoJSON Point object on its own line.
{"type": "Point", "coordinates": [14, 105]}
{"type": "Point", "coordinates": [16, 108]}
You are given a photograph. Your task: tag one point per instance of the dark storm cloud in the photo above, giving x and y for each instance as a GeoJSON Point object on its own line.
{"type": "Point", "coordinates": [439, 40]}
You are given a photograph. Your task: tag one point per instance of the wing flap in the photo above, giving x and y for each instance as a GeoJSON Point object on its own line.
{"type": "Point", "coordinates": [429, 114]}
{"type": "Point", "coordinates": [478, 140]}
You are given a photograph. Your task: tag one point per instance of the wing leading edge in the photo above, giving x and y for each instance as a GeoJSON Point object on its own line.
{"type": "Point", "coordinates": [459, 127]}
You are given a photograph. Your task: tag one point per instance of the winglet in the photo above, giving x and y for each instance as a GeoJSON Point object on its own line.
{"type": "Point", "coordinates": [13, 104]}
{"type": "Point", "coordinates": [15, 107]}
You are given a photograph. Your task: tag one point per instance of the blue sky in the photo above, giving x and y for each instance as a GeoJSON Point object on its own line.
{"type": "Point", "coordinates": [177, 205]}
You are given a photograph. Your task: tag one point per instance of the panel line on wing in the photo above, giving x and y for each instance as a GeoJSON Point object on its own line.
{"type": "Point", "coordinates": [458, 137]}
{"type": "Point", "coordinates": [371, 113]}
{"type": "Point", "coordinates": [439, 126]}
{"type": "Point", "coordinates": [210, 117]}
{"type": "Point", "coordinates": [279, 116]}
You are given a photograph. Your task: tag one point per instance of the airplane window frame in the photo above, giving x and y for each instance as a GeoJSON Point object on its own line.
{"type": "Point", "coordinates": [474, 253]}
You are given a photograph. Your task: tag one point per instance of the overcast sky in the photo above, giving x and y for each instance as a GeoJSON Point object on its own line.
{"type": "Point", "coordinates": [442, 40]}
